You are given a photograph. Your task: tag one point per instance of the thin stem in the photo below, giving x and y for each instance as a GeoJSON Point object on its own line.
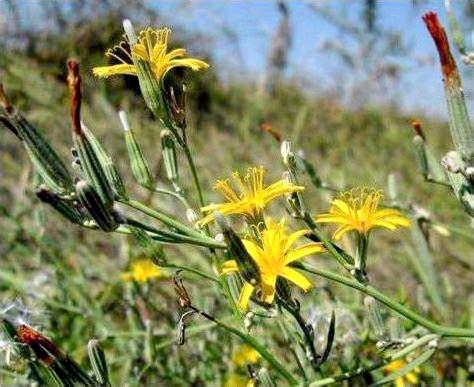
{"type": "Point", "coordinates": [307, 335]}
{"type": "Point", "coordinates": [332, 249]}
{"type": "Point", "coordinates": [172, 222]}
{"type": "Point", "coordinates": [254, 344]}
{"type": "Point", "coordinates": [191, 270]}
{"type": "Point", "coordinates": [441, 330]}
{"type": "Point", "coordinates": [192, 167]}
{"type": "Point", "coordinates": [174, 194]}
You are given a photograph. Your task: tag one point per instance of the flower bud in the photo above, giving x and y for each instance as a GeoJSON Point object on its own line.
{"type": "Point", "coordinates": [285, 151]}
{"type": "Point", "coordinates": [375, 317]}
{"type": "Point", "coordinates": [140, 169]}
{"type": "Point", "coordinates": [170, 159]}
{"type": "Point", "coordinates": [95, 207]}
{"type": "Point", "coordinates": [66, 208]}
{"type": "Point", "coordinates": [246, 264]}
{"type": "Point", "coordinates": [191, 216]}
{"type": "Point", "coordinates": [98, 362]}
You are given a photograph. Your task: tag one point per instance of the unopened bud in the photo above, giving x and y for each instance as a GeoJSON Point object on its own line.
{"type": "Point", "coordinates": [94, 205]}
{"type": "Point", "coordinates": [191, 216]}
{"type": "Point", "coordinates": [139, 165]}
{"type": "Point", "coordinates": [286, 152]}
{"type": "Point", "coordinates": [98, 362]}
{"type": "Point", "coordinates": [375, 317]}
{"type": "Point", "coordinates": [129, 31]}
{"type": "Point", "coordinates": [170, 158]}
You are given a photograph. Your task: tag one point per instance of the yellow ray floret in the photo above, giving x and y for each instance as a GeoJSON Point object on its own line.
{"type": "Point", "coordinates": [358, 210]}
{"type": "Point", "coordinates": [273, 255]}
{"type": "Point", "coordinates": [142, 270]}
{"type": "Point", "coordinates": [152, 47]}
{"type": "Point", "coordinates": [411, 377]}
{"type": "Point", "coordinates": [249, 196]}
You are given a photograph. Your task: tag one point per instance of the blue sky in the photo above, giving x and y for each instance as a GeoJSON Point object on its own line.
{"type": "Point", "coordinates": [254, 22]}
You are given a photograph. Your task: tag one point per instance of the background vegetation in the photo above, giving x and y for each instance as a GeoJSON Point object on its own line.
{"type": "Point", "coordinates": [67, 281]}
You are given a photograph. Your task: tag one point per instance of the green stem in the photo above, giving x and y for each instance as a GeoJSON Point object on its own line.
{"type": "Point", "coordinates": [441, 330]}
{"type": "Point", "coordinates": [331, 248]}
{"type": "Point", "coordinates": [191, 270]}
{"type": "Point", "coordinates": [192, 167]}
{"type": "Point", "coordinates": [174, 194]}
{"type": "Point", "coordinates": [172, 222]}
{"type": "Point", "coordinates": [254, 344]}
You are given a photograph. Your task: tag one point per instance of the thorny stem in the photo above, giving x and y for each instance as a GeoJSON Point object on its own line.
{"type": "Point", "coordinates": [444, 331]}
{"type": "Point", "coordinates": [253, 343]}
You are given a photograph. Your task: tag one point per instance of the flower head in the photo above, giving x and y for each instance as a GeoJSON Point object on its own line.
{"type": "Point", "coordinates": [151, 47]}
{"type": "Point", "coordinates": [250, 196]}
{"type": "Point", "coordinates": [142, 270]}
{"type": "Point", "coordinates": [236, 380]}
{"type": "Point", "coordinates": [358, 209]}
{"type": "Point", "coordinates": [273, 255]}
{"type": "Point", "coordinates": [410, 377]}
{"type": "Point", "coordinates": [244, 355]}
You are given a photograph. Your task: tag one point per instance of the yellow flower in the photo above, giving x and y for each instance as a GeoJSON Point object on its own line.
{"type": "Point", "coordinates": [236, 380]}
{"type": "Point", "coordinates": [358, 209]}
{"type": "Point", "coordinates": [142, 270]}
{"type": "Point", "coordinates": [152, 47]}
{"type": "Point", "coordinates": [250, 197]}
{"type": "Point", "coordinates": [411, 377]}
{"type": "Point", "coordinates": [244, 355]}
{"type": "Point", "coordinates": [273, 256]}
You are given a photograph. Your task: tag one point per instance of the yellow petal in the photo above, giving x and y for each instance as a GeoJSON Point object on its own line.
{"type": "Point", "coordinates": [229, 267]}
{"type": "Point", "coordinates": [399, 382]}
{"type": "Point", "coordinates": [293, 237]}
{"type": "Point", "coordinates": [303, 251]}
{"type": "Point", "coordinates": [268, 287]}
{"type": "Point", "coordinates": [255, 252]}
{"type": "Point", "coordinates": [296, 277]}
{"type": "Point", "coordinates": [176, 53]}
{"type": "Point", "coordinates": [244, 296]}
{"type": "Point", "coordinates": [330, 218]}
{"type": "Point", "coordinates": [341, 231]}
{"type": "Point", "coordinates": [118, 69]}
{"type": "Point", "coordinates": [412, 377]}
{"type": "Point", "coordinates": [126, 277]}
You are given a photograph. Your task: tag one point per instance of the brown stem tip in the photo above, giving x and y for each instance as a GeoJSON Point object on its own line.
{"type": "Point", "coordinates": [74, 83]}
{"type": "Point", "coordinates": [43, 348]}
{"type": "Point", "coordinates": [448, 65]}
{"type": "Point", "coordinates": [417, 126]}
{"type": "Point", "coordinates": [4, 100]}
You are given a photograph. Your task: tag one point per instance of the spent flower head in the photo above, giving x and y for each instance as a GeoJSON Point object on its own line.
{"type": "Point", "coordinates": [151, 47]}
{"type": "Point", "coordinates": [273, 255]}
{"type": "Point", "coordinates": [248, 196]}
{"type": "Point", "coordinates": [358, 210]}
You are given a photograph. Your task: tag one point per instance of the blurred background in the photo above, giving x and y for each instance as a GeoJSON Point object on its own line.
{"type": "Point", "coordinates": [341, 80]}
